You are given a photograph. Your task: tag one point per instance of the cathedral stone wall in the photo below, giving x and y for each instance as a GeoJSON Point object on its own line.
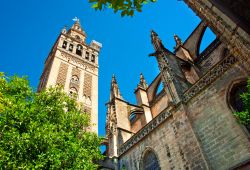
{"type": "Point", "coordinates": [223, 141]}
{"type": "Point", "coordinates": [122, 111]}
{"type": "Point", "coordinates": [211, 57]}
{"type": "Point", "coordinates": [199, 132]}
{"type": "Point", "coordinates": [173, 142]}
{"type": "Point", "coordinates": [202, 134]}
{"type": "Point", "coordinates": [193, 125]}
{"type": "Point", "coordinates": [137, 124]}
{"type": "Point", "coordinates": [123, 136]}
{"type": "Point", "coordinates": [159, 104]}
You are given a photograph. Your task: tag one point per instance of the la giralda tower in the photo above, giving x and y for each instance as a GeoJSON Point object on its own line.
{"type": "Point", "coordinates": [73, 64]}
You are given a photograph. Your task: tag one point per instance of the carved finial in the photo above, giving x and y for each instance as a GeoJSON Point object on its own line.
{"type": "Point", "coordinates": [153, 33]}
{"type": "Point", "coordinates": [64, 30]}
{"type": "Point", "coordinates": [114, 92]}
{"type": "Point", "coordinates": [113, 79]}
{"type": "Point", "coordinates": [177, 41]}
{"type": "Point", "coordinates": [142, 82]}
{"type": "Point", "coordinates": [156, 41]}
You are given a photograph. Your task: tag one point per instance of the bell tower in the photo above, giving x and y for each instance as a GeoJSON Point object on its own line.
{"type": "Point", "coordinates": [73, 64]}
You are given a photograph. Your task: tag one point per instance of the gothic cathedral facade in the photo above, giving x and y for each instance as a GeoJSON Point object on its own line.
{"type": "Point", "coordinates": [73, 64]}
{"type": "Point", "coordinates": [189, 124]}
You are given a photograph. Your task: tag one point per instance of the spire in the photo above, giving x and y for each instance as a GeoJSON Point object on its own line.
{"type": "Point", "coordinates": [177, 41]}
{"type": "Point", "coordinates": [142, 83]}
{"type": "Point", "coordinates": [114, 91]}
{"type": "Point", "coordinates": [158, 46]}
{"type": "Point", "coordinates": [156, 41]}
{"type": "Point", "coordinates": [172, 76]}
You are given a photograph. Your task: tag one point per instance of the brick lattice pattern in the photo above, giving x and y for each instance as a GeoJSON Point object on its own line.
{"type": "Point", "coordinates": [62, 74]}
{"type": "Point", "coordinates": [87, 86]}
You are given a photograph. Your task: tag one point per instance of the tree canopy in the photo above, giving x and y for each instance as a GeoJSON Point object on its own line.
{"type": "Point", "coordinates": [44, 130]}
{"type": "Point", "coordinates": [127, 7]}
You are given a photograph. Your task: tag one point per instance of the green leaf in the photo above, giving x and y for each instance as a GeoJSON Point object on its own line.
{"type": "Point", "coordinates": [124, 6]}
{"type": "Point", "coordinates": [95, 5]}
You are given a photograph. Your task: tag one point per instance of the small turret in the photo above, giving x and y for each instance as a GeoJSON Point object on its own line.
{"type": "Point", "coordinates": [142, 98]}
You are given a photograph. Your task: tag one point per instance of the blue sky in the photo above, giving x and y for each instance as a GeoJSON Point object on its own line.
{"type": "Point", "coordinates": [29, 28]}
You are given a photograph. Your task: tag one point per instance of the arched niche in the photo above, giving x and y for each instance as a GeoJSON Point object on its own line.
{"type": "Point", "coordinates": [149, 160]}
{"type": "Point", "coordinates": [236, 88]}
{"type": "Point", "coordinates": [73, 92]}
{"type": "Point", "coordinates": [234, 101]}
{"type": "Point", "coordinates": [75, 79]}
{"type": "Point", "coordinates": [79, 49]}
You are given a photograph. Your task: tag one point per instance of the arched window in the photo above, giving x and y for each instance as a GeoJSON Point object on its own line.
{"type": "Point", "coordinates": [72, 92]}
{"type": "Point", "coordinates": [87, 56]}
{"type": "Point", "coordinates": [93, 58]}
{"type": "Point", "coordinates": [234, 96]}
{"type": "Point", "coordinates": [64, 44]}
{"type": "Point", "coordinates": [150, 161]}
{"type": "Point", "coordinates": [75, 79]}
{"type": "Point", "coordinates": [71, 46]}
{"type": "Point", "coordinates": [77, 37]}
{"type": "Point", "coordinates": [79, 50]}
{"type": "Point", "coordinates": [235, 101]}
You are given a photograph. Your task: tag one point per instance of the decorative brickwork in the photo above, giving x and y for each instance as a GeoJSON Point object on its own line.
{"type": "Point", "coordinates": [87, 87]}
{"type": "Point", "coordinates": [62, 74]}
{"type": "Point", "coordinates": [76, 72]}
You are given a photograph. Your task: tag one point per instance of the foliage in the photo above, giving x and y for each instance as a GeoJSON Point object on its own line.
{"type": "Point", "coordinates": [244, 116]}
{"type": "Point", "coordinates": [46, 130]}
{"type": "Point", "coordinates": [127, 7]}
